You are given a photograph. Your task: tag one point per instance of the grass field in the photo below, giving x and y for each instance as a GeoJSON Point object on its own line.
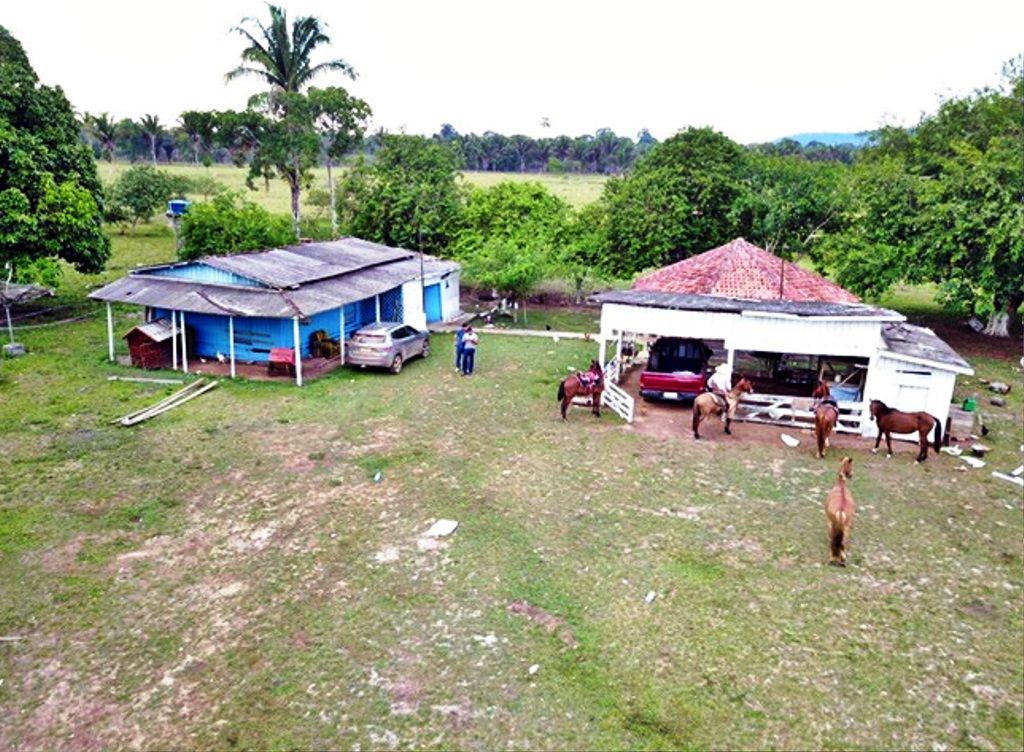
{"type": "Point", "coordinates": [229, 575]}
{"type": "Point", "coordinates": [576, 189]}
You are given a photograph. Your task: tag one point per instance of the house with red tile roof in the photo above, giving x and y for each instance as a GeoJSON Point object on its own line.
{"type": "Point", "coordinates": [786, 328]}
{"type": "Point", "coordinates": [741, 270]}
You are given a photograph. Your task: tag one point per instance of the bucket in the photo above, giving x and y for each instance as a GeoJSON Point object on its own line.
{"type": "Point", "coordinates": [970, 404]}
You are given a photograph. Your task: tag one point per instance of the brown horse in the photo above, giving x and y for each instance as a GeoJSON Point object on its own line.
{"type": "Point", "coordinates": [826, 415]}
{"type": "Point", "coordinates": [891, 420]}
{"type": "Point", "coordinates": [707, 404]}
{"type": "Point", "coordinates": [840, 511]}
{"type": "Point", "coordinates": [578, 384]}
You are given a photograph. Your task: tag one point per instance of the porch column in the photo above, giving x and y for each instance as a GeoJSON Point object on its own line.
{"type": "Point", "coordinates": [110, 332]}
{"type": "Point", "coordinates": [730, 358]}
{"type": "Point", "coordinates": [376, 303]}
{"type": "Point", "coordinates": [602, 352]}
{"type": "Point", "coordinates": [184, 345]}
{"type": "Point", "coordinates": [341, 332]}
{"type": "Point", "coordinates": [231, 343]}
{"type": "Point", "coordinates": [174, 341]}
{"type": "Point", "coordinates": [298, 351]}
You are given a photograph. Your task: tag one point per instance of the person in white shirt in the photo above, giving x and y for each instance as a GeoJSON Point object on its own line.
{"type": "Point", "coordinates": [470, 341]}
{"type": "Point", "coordinates": [720, 384]}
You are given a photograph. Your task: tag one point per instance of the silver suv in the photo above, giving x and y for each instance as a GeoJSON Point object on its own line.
{"type": "Point", "coordinates": [386, 344]}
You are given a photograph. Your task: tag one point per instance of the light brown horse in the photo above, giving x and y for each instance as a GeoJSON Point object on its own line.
{"type": "Point", "coordinates": [707, 404]}
{"type": "Point", "coordinates": [826, 415]}
{"type": "Point", "coordinates": [840, 511]}
{"type": "Point", "coordinates": [574, 385]}
{"type": "Point", "coordinates": [891, 420]}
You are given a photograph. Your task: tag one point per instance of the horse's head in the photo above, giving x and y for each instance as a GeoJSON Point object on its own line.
{"type": "Point", "coordinates": [877, 407]}
{"type": "Point", "coordinates": [846, 468]}
{"type": "Point", "coordinates": [743, 386]}
{"type": "Point", "coordinates": [821, 391]}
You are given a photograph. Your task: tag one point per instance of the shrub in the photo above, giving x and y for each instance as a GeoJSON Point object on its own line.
{"type": "Point", "coordinates": [231, 224]}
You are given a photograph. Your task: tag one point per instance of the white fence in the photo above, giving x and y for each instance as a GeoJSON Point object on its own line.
{"type": "Point", "coordinates": [797, 412]}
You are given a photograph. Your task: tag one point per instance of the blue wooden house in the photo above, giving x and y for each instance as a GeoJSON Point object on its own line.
{"type": "Point", "coordinates": [240, 307]}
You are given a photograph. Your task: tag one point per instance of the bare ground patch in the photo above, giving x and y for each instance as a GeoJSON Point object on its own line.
{"type": "Point", "coordinates": [548, 622]}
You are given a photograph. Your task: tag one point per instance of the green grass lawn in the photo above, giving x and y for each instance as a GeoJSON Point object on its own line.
{"type": "Point", "coordinates": [576, 189]}
{"type": "Point", "coordinates": [230, 575]}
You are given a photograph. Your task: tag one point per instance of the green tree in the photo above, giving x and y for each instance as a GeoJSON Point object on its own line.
{"type": "Point", "coordinates": [408, 196]}
{"type": "Point", "coordinates": [340, 121]}
{"type": "Point", "coordinates": [231, 224]}
{"type": "Point", "coordinates": [50, 196]}
{"type": "Point", "coordinates": [140, 192]}
{"type": "Point", "coordinates": [280, 55]}
{"type": "Point", "coordinates": [676, 202]}
{"type": "Point", "coordinates": [199, 126]}
{"type": "Point", "coordinates": [103, 130]}
{"type": "Point", "coordinates": [152, 129]}
{"type": "Point", "coordinates": [513, 235]}
{"type": "Point", "coordinates": [943, 202]}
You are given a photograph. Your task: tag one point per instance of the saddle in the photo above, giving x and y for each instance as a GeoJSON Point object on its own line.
{"type": "Point", "coordinates": [588, 379]}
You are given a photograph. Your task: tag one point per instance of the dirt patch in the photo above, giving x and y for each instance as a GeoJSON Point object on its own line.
{"type": "Point", "coordinates": [550, 623]}
{"type": "Point", "coordinates": [739, 550]}
{"type": "Point", "coordinates": [405, 691]}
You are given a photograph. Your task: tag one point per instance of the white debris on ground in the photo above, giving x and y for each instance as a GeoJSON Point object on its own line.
{"type": "Point", "coordinates": [974, 462]}
{"type": "Point", "coordinates": [789, 440]}
{"type": "Point", "coordinates": [650, 597]}
{"type": "Point", "coordinates": [534, 669]}
{"type": "Point", "coordinates": [441, 529]}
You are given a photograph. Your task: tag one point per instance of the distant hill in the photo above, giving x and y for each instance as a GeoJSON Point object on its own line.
{"type": "Point", "coordinates": [830, 139]}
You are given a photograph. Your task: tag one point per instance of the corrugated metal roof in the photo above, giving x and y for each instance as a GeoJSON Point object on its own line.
{"type": "Point", "coordinates": [297, 264]}
{"type": "Point", "coordinates": [922, 344]}
{"type": "Point", "coordinates": [158, 331]}
{"type": "Point", "coordinates": [715, 303]}
{"type": "Point", "coordinates": [372, 269]}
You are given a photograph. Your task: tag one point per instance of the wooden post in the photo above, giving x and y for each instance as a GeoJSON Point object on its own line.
{"type": "Point", "coordinates": [184, 345]}
{"type": "Point", "coordinates": [174, 341]}
{"type": "Point", "coordinates": [602, 353]}
{"type": "Point", "coordinates": [730, 358]}
{"type": "Point", "coordinates": [231, 343]}
{"type": "Point", "coordinates": [376, 302]}
{"type": "Point", "coordinates": [298, 351]}
{"type": "Point", "coordinates": [341, 333]}
{"type": "Point", "coordinates": [110, 332]}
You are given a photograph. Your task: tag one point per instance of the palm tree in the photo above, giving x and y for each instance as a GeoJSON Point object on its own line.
{"type": "Point", "coordinates": [150, 126]}
{"type": "Point", "coordinates": [104, 130]}
{"type": "Point", "coordinates": [281, 60]}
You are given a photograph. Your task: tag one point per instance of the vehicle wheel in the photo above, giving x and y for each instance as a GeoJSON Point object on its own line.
{"type": "Point", "coordinates": [426, 350]}
{"type": "Point", "coordinates": [396, 364]}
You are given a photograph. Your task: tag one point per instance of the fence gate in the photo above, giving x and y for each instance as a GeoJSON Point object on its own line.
{"type": "Point", "coordinates": [614, 397]}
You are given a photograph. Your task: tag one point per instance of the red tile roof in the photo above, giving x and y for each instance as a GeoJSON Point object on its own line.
{"type": "Point", "coordinates": [742, 270]}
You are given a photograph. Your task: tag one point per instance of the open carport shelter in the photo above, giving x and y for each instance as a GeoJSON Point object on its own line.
{"type": "Point", "coordinates": [241, 306]}
{"type": "Point", "coordinates": [789, 327]}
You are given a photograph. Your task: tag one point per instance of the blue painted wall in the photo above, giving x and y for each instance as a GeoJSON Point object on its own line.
{"type": "Point", "coordinates": [255, 336]}
{"type": "Point", "coordinates": [197, 272]}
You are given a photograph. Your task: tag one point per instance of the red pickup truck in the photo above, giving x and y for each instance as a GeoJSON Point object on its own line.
{"type": "Point", "coordinates": [677, 369]}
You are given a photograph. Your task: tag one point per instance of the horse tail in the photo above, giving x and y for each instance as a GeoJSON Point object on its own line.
{"type": "Point", "coordinates": [696, 416]}
{"type": "Point", "coordinates": [561, 391]}
{"type": "Point", "coordinates": [938, 433]}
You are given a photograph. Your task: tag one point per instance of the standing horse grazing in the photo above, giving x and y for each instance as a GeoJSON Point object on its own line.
{"type": "Point", "coordinates": [587, 383]}
{"type": "Point", "coordinates": [840, 511]}
{"type": "Point", "coordinates": [891, 420]}
{"type": "Point", "coordinates": [826, 415]}
{"type": "Point", "coordinates": [707, 404]}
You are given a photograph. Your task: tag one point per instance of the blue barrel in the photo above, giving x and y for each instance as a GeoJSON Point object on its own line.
{"type": "Point", "coordinates": [177, 207]}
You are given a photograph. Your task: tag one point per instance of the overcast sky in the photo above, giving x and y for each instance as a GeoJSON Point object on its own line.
{"type": "Point", "coordinates": [755, 71]}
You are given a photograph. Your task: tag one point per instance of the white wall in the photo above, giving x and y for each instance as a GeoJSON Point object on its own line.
{"type": "Point", "coordinates": [750, 331]}
{"type": "Point", "coordinates": [412, 304]}
{"type": "Point", "coordinates": [909, 387]}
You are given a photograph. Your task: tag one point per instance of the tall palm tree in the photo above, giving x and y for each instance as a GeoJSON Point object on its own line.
{"type": "Point", "coordinates": [283, 60]}
{"type": "Point", "coordinates": [103, 128]}
{"type": "Point", "coordinates": [150, 126]}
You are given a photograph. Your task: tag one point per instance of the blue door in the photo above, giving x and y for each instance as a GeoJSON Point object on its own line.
{"type": "Point", "coordinates": [432, 302]}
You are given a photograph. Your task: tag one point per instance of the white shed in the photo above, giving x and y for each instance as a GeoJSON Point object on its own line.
{"type": "Point", "coordinates": [783, 338]}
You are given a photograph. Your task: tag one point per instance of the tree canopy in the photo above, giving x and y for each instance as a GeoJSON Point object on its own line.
{"type": "Point", "coordinates": [50, 196]}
